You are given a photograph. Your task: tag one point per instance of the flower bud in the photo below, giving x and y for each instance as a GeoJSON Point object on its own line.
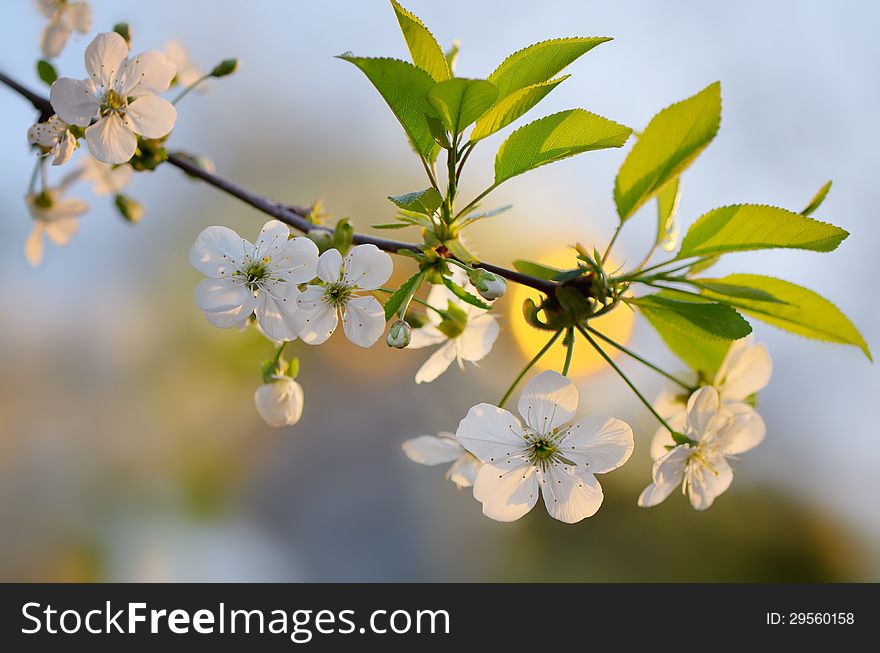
{"type": "Point", "coordinates": [225, 67]}
{"type": "Point", "coordinates": [399, 335]}
{"type": "Point", "coordinates": [130, 209]}
{"type": "Point", "coordinates": [124, 30]}
{"type": "Point", "coordinates": [280, 402]}
{"type": "Point", "coordinates": [489, 285]}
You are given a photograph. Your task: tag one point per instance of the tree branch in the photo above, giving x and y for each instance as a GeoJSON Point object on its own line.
{"type": "Point", "coordinates": [293, 216]}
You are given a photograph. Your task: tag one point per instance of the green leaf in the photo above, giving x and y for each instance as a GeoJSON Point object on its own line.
{"type": "Point", "coordinates": [511, 107]}
{"type": "Point", "coordinates": [405, 88]}
{"type": "Point", "coordinates": [474, 217]}
{"type": "Point", "coordinates": [46, 72]}
{"type": "Point", "coordinates": [395, 301]}
{"type": "Point", "coordinates": [702, 264]}
{"type": "Point", "coordinates": [539, 62]}
{"type": "Point", "coordinates": [451, 55]}
{"type": "Point", "coordinates": [818, 198]}
{"type": "Point", "coordinates": [804, 312]}
{"type": "Point", "coordinates": [423, 47]}
{"type": "Point", "coordinates": [667, 206]}
{"type": "Point", "coordinates": [459, 101]}
{"type": "Point", "coordinates": [724, 291]}
{"type": "Point", "coordinates": [743, 227]}
{"type": "Point", "coordinates": [422, 201]}
{"type": "Point", "coordinates": [343, 235]}
{"type": "Point", "coordinates": [464, 295]}
{"type": "Point", "coordinates": [700, 355]}
{"type": "Point", "coordinates": [414, 217]}
{"type": "Point", "coordinates": [556, 137]}
{"type": "Point", "coordinates": [669, 144]}
{"type": "Point", "coordinates": [392, 225]}
{"type": "Point", "coordinates": [538, 270]}
{"type": "Point", "coordinates": [459, 251]}
{"type": "Point", "coordinates": [706, 321]}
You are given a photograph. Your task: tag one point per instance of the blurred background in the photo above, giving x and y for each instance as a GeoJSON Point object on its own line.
{"type": "Point", "coordinates": [130, 448]}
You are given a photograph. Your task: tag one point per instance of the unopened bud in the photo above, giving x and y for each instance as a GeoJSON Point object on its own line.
{"type": "Point", "coordinates": [130, 209]}
{"type": "Point", "coordinates": [124, 31]}
{"type": "Point", "coordinates": [489, 285]}
{"type": "Point", "coordinates": [225, 67]}
{"type": "Point", "coordinates": [399, 335]}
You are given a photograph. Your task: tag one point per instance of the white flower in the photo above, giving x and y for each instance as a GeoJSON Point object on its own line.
{"type": "Point", "coordinates": [544, 452]}
{"type": "Point", "coordinates": [187, 71]}
{"type": "Point", "coordinates": [717, 432]}
{"type": "Point", "coordinates": [55, 138]}
{"type": "Point", "coordinates": [366, 267]}
{"type": "Point", "coordinates": [444, 448]}
{"type": "Point", "coordinates": [55, 216]}
{"type": "Point", "coordinates": [746, 370]}
{"type": "Point", "coordinates": [280, 402]}
{"type": "Point", "coordinates": [113, 81]}
{"type": "Point", "coordinates": [260, 278]}
{"type": "Point", "coordinates": [468, 338]}
{"type": "Point", "coordinates": [105, 178]}
{"type": "Point", "coordinates": [64, 17]}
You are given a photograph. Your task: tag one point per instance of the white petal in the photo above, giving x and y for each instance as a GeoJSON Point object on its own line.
{"type": "Point", "coordinates": [744, 431]}
{"type": "Point", "coordinates": [68, 207]}
{"type": "Point", "coordinates": [105, 178]}
{"type": "Point", "coordinates": [74, 101]}
{"type": "Point", "coordinates": [426, 336]}
{"type": "Point", "coordinates": [599, 443]}
{"type": "Point", "coordinates": [703, 415]}
{"type": "Point", "coordinates": [746, 369]}
{"type": "Point", "coordinates": [476, 341]}
{"type": "Point", "coordinates": [110, 140]}
{"type": "Point", "coordinates": [280, 403]}
{"type": "Point", "coordinates": [463, 471]}
{"type": "Point", "coordinates": [330, 266]}
{"type": "Point", "coordinates": [147, 73]}
{"type": "Point", "coordinates": [221, 295]}
{"type": "Point", "coordinates": [432, 450]}
{"type": "Point", "coordinates": [54, 37]}
{"type": "Point", "coordinates": [570, 498]}
{"type": "Point", "coordinates": [46, 7]}
{"type": "Point", "coordinates": [437, 363]}
{"type": "Point", "coordinates": [296, 260]}
{"type": "Point", "coordinates": [311, 298]}
{"type": "Point", "coordinates": [104, 58]}
{"type": "Point", "coordinates": [506, 493]}
{"type": "Point", "coordinates": [439, 296]}
{"type": "Point", "coordinates": [276, 310]}
{"type": "Point", "coordinates": [64, 150]}
{"type": "Point", "coordinates": [654, 494]}
{"type": "Point", "coordinates": [317, 325]}
{"type": "Point", "coordinates": [272, 236]}
{"type": "Point", "coordinates": [548, 401]}
{"type": "Point", "coordinates": [150, 116]}
{"type": "Point", "coordinates": [662, 438]}
{"type": "Point", "coordinates": [33, 246]}
{"type": "Point", "coordinates": [235, 318]}
{"type": "Point", "coordinates": [367, 267]}
{"type": "Point", "coordinates": [492, 434]}
{"type": "Point", "coordinates": [670, 467]}
{"type": "Point", "coordinates": [705, 484]}
{"type": "Point", "coordinates": [79, 15]}
{"type": "Point", "coordinates": [218, 252]}
{"type": "Point", "coordinates": [363, 320]}
{"type": "Point", "coordinates": [62, 229]}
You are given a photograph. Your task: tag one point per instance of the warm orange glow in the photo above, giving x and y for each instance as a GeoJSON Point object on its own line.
{"type": "Point", "coordinates": [617, 324]}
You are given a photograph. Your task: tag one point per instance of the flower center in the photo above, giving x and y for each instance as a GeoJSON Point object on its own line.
{"type": "Point", "coordinates": [113, 103]}
{"type": "Point", "coordinates": [337, 294]}
{"type": "Point", "coordinates": [254, 272]}
{"type": "Point", "coordinates": [43, 200]}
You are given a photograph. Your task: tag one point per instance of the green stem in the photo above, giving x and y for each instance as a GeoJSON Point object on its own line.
{"type": "Point", "coordinates": [428, 171]}
{"type": "Point", "coordinates": [34, 174]}
{"type": "Point", "coordinates": [634, 355]}
{"type": "Point", "coordinates": [475, 201]}
{"type": "Point", "coordinates": [569, 346]}
{"type": "Point", "coordinates": [528, 366]}
{"type": "Point", "coordinates": [44, 186]}
{"type": "Point", "coordinates": [278, 353]}
{"type": "Point", "coordinates": [611, 243]}
{"type": "Point", "coordinates": [625, 378]}
{"type": "Point", "coordinates": [467, 152]}
{"type": "Point", "coordinates": [404, 307]}
{"type": "Point", "coordinates": [416, 300]}
{"type": "Point", "coordinates": [186, 91]}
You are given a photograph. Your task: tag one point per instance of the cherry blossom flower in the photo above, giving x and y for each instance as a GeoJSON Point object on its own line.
{"type": "Point", "coordinates": [701, 467]}
{"type": "Point", "coordinates": [745, 371]}
{"type": "Point", "coordinates": [365, 268]}
{"type": "Point", "coordinates": [64, 17]}
{"type": "Point", "coordinates": [280, 402]}
{"type": "Point", "coordinates": [188, 73]}
{"type": "Point", "coordinates": [105, 178]}
{"type": "Point", "coordinates": [444, 448]}
{"type": "Point", "coordinates": [261, 278]}
{"type": "Point", "coordinates": [545, 452]}
{"type": "Point", "coordinates": [54, 138]}
{"type": "Point", "coordinates": [122, 92]}
{"type": "Point", "coordinates": [467, 334]}
{"type": "Point", "coordinates": [55, 216]}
